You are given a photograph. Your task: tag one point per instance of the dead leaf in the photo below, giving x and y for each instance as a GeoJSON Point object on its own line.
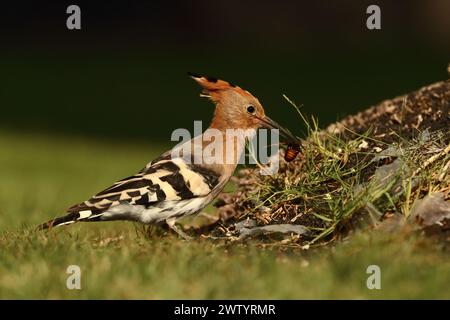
{"type": "Point", "coordinates": [431, 210]}
{"type": "Point", "coordinates": [247, 229]}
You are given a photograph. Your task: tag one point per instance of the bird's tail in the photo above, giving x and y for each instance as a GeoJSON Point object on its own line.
{"type": "Point", "coordinates": [78, 212]}
{"type": "Point", "coordinates": [69, 218]}
{"type": "Point", "coordinates": [60, 221]}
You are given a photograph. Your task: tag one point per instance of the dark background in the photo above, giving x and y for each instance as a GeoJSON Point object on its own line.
{"type": "Point", "coordinates": [123, 75]}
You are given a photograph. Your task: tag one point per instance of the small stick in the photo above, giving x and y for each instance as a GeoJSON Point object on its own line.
{"type": "Point", "coordinates": [431, 160]}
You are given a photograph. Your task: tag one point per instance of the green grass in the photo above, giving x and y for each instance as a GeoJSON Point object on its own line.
{"type": "Point", "coordinates": [42, 175]}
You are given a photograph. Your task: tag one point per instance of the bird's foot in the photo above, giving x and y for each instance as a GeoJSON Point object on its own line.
{"type": "Point", "coordinates": [181, 233]}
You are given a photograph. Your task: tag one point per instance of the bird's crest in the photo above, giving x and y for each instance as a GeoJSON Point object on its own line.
{"type": "Point", "coordinates": [214, 88]}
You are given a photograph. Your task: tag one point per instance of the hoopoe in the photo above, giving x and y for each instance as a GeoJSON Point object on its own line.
{"type": "Point", "coordinates": [170, 187]}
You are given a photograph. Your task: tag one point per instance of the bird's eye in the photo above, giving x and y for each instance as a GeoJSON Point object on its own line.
{"type": "Point", "coordinates": [251, 109]}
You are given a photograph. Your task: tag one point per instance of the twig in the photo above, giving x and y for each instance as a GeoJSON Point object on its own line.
{"type": "Point", "coordinates": [431, 160]}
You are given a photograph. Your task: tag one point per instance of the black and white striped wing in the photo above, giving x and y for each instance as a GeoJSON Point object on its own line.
{"type": "Point", "coordinates": [163, 180]}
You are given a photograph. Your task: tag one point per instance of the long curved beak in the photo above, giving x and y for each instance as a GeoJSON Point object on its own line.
{"type": "Point", "coordinates": [285, 133]}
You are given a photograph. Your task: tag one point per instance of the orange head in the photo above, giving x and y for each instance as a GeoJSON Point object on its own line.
{"type": "Point", "coordinates": [236, 108]}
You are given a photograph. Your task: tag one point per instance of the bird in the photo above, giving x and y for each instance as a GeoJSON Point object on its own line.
{"type": "Point", "coordinates": [176, 185]}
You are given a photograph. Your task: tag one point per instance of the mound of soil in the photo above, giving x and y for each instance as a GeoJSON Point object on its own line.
{"type": "Point", "coordinates": [405, 117]}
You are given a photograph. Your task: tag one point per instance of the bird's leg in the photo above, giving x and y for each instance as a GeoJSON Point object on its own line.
{"type": "Point", "coordinates": [171, 223]}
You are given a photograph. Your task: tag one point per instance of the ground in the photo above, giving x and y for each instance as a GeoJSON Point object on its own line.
{"type": "Point", "coordinates": [44, 174]}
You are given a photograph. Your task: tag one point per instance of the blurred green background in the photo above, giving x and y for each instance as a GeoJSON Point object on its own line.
{"type": "Point", "coordinates": [123, 75]}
